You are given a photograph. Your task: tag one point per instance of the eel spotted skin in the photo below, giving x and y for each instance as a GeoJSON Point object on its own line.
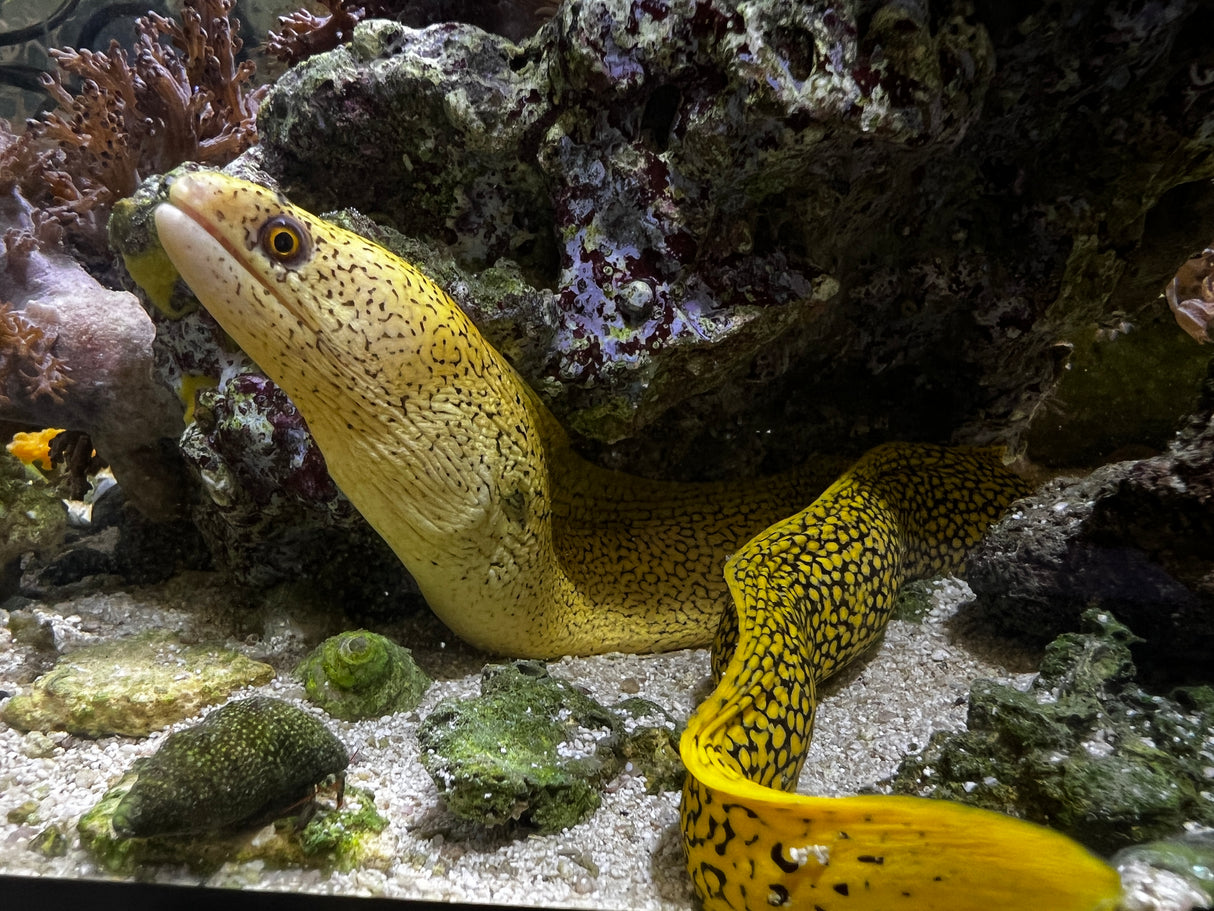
{"type": "Point", "coordinates": [524, 549]}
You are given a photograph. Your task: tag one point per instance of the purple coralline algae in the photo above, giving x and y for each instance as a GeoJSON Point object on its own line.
{"type": "Point", "coordinates": [849, 222]}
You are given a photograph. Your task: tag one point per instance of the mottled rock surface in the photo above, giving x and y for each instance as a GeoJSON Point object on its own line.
{"type": "Point", "coordinates": [271, 512]}
{"type": "Point", "coordinates": [132, 687]}
{"type": "Point", "coordinates": [531, 748]}
{"type": "Point", "coordinates": [1136, 538]}
{"type": "Point", "coordinates": [845, 222]}
{"type": "Point", "coordinates": [1086, 750]}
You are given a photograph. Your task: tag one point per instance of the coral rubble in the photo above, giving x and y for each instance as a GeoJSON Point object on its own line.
{"type": "Point", "coordinates": [1086, 750]}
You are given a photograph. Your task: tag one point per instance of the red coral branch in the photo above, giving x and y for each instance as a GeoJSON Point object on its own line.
{"type": "Point", "coordinates": [181, 95]}
{"type": "Point", "coordinates": [302, 34]}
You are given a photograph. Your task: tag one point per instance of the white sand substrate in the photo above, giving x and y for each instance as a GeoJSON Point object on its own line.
{"type": "Point", "coordinates": [627, 856]}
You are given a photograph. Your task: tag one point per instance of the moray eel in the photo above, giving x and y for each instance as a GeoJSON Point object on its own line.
{"type": "Point", "coordinates": [522, 548]}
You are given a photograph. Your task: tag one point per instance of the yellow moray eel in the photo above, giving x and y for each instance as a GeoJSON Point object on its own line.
{"type": "Point", "coordinates": [524, 549]}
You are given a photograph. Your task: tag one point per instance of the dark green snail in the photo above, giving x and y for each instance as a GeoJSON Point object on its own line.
{"type": "Point", "coordinates": [244, 763]}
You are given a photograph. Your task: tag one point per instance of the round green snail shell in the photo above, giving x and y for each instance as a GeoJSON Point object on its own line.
{"type": "Point", "coordinates": [361, 674]}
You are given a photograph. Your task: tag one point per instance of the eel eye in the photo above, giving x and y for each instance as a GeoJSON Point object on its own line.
{"type": "Point", "coordinates": [284, 240]}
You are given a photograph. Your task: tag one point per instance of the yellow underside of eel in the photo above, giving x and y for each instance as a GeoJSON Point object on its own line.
{"type": "Point", "coordinates": [524, 549]}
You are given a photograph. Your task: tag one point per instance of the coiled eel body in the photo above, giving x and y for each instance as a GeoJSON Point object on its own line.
{"type": "Point", "coordinates": [524, 549]}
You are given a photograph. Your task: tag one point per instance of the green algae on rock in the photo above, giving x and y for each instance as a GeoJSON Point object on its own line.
{"type": "Point", "coordinates": [362, 674]}
{"type": "Point", "coordinates": [132, 687]}
{"type": "Point", "coordinates": [336, 837]}
{"type": "Point", "coordinates": [1085, 750]}
{"type": "Point", "coordinates": [343, 837]}
{"type": "Point", "coordinates": [651, 744]}
{"type": "Point", "coordinates": [50, 842]}
{"type": "Point", "coordinates": [32, 518]}
{"type": "Point", "coordinates": [247, 761]}
{"type": "Point", "coordinates": [532, 748]}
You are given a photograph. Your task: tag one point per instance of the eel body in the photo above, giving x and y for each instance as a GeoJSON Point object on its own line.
{"type": "Point", "coordinates": [524, 549]}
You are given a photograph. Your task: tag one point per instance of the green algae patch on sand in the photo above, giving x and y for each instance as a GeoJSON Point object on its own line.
{"type": "Point", "coordinates": [132, 687]}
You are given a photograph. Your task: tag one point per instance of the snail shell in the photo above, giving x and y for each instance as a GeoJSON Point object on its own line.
{"type": "Point", "coordinates": [240, 764]}
{"type": "Point", "coordinates": [362, 674]}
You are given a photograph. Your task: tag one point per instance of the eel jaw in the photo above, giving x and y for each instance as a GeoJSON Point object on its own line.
{"type": "Point", "coordinates": [205, 264]}
{"type": "Point", "coordinates": [218, 271]}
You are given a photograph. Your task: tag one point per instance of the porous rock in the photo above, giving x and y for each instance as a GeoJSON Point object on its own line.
{"type": "Point", "coordinates": [1135, 538]}
{"type": "Point", "coordinates": [132, 686]}
{"type": "Point", "coordinates": [270, 511]}
{"type": "Point", "coordinates": [913, 214]}
{"type": "Point", "coordinates": [532, 748]}
{"type": "Point", "coordinates": [1086, 750]}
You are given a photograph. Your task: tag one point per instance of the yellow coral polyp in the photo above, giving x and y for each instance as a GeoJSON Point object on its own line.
{"type": "Point", "coordinates": [34, 448]}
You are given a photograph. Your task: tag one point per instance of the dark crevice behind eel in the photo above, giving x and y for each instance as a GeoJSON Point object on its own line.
{"type": "Point", "coordinates": [524, 549]}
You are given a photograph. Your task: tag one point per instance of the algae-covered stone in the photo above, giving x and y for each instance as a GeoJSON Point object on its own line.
{"type": "Point", "coordinates": [32, 517]}
{"type": "Point", "coordinates": [244, 763]}
{"type": "Point", "coordinates": [531, 748]}
{"type": "Point", "coordinates": [1085, 750]}
{"type": "Point", "coordinates": [344, 837]}
{"type": "Point", "coordinates": [50, 842]}
{"type": "Point", "coordinates": [132, 687]}
{"type": "Point", "coordinates": [362, 674]}
{"type": "Point", "coordinates": [651, 744]}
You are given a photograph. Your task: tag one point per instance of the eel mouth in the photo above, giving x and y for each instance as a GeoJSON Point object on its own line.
{"type": "Point", "coordinates": [209, 257]}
